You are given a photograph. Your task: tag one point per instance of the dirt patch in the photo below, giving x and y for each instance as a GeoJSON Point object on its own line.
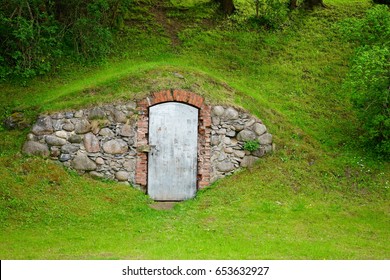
{"type": "Point", "coordinates": [162, 205]}
{"type": "Point", "coordinates": [171, 27]}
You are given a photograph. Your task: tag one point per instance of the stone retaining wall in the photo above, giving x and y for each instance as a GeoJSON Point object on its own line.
{"type": "Point", "coordinates": [110, 141]}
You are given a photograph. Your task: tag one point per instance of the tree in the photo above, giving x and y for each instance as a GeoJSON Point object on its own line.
{"type": "Point", "coordinates": [310, 4]}
{"type": "Point", "coordinates": [293, 4]}
{"type": "Point", "coordinates": [369, 77]}
{"type": "Point", "coordinates": [387, 2]}
{"type": "Point", "coordinates": [227, 6]}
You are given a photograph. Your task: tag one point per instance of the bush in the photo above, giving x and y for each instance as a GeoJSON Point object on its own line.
{"type": "Point", "coordinates": [251, 145]}
{"type": "Point", "coordinates": [272, 13]}
{"type": "Point", "coordinates": [29, 46]}
{"type": "Point", "coordinates": [368, 81]}
{"type": "Point", "coordinates": [34, 34]}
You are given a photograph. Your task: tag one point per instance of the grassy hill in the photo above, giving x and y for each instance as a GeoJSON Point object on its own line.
{"type": "Point", "coordinates": [318, 196]}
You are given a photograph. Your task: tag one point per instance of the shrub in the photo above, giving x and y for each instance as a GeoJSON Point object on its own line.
{"type": "Point", "coordinates": [251, 145]}
{"type": "Point", "coordinates": [29, 46]}
{"type": "Point", "coordinates": [368, 81]}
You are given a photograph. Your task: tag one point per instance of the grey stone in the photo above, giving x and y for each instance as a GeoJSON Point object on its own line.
{"type": "Point", "coordinates": [96, 175]}
{"type": "Point", "coordinates": [82, 126]}
{"type": "Point", "coordinates": [246, 135]}
{"type": "Point", "coordinates": [54, 152]}
{"type": "Point", "coordinates": [218, 111]}
{"type": "Point", "coordinates": [106, 132]}
{"type": "Point", "coordinates": [227, 141]}
{"type": "Point", "coordinates": [69, 149]}
{"type": "Point", "coordinates": [55, 141]}
{"type": "Point", "coordinates": [64, 157]}
{"type": "Point", "coordinates": [131, 105]}
{"type": "Point", "coordinates": [127, 131]}
{"type": "Point", "coordinates": [117, 146]}
{"type": "Point", "coordinates": [259, 128]}
{"type": "Point", "coordinates": [228, 150]}
{"type": "Point", "coordinates": [31, 137]}
{"type": "Point", "coordinates": [120, 117]}
{"type": "Point", "coordinates": [234, 142]}
{"type": "Point", "coordinates": [91, 143]}
{"type": "Point", "coordinates": [122, 175]}
{"type": "Point", "coordinates": [221, 131]}
{"type": "Point", "coordinates": [248, 161]}
{"type": "Point", "coordinates": [238, 127]}
{"type": "Point", "coordinates": [96, 113]}
{"type": "Point", "coordinates": [265, 139]}
{"type": "Point", "coordinates": [268, 148]}
{"type": "Point", "coordinates": [61, 134]}
{"type": "Point", "coordinates": [230, 114]}
{"type": "Point", "coordinates": [82, 162]}
{"type": "Point", "coordinates": [231, 133]}
{"type": "Point", "coordinates": [69, 115]}
{"type": "Point", "coordinates": [129, 165]}
{"type": "Point", "coordinates": [57, 125]}
{"type": "Point", "coordinates": [259, 152]}
{"type": "Point", "coordinates": [225, 166]}
{"type": "Point", "coordinates": [214, 140]}
{"type": "Point", "coordinates": [57, 116]}
{"type": "Point", "coordinates": [239, 153]}
{"type": "Point", "coordinates": [43, 126]}
{"type": "Point", "coordinates": [17, 120]}
{"type": "Point", "coordinates": [215, 120]}
{"type": "Point", "coordinates": [222, 157]}
{"type": "Point", "coordinates": [75, 138]}
{"type": "Point", "coordinates": [250, 122]}
{"type": "Point", "coordinates": [35, 148]}
{"type": "Point", "coordinates": [79, 114]}
{"type": "Point", "coordinates": [68, 127]}
{"type": "Point", "coordinates": [99, 161]}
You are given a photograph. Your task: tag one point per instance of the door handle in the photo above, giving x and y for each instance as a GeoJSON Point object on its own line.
{"type": "Point", "coordinates": [146, 148]}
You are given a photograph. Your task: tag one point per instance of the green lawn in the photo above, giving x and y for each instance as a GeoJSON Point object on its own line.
{"type": "Point", "coordinates": [320, 195]}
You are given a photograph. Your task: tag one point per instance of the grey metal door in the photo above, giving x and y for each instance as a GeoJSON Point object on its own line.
{"type": "Point", "coordinates": [172, 163]}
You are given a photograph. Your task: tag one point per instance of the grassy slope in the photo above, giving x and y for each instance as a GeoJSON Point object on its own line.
{"type": "Point", "coordinates": [317, 197]}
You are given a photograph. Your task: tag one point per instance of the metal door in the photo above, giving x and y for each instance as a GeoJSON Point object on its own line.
{"type": "Point", "coordinates": [173, 140]}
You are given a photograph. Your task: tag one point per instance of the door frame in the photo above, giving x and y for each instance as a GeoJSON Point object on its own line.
{"type": "Point", "coordinates": [191, 184]}
{"type": "Point", "coordinates": [204, 134]}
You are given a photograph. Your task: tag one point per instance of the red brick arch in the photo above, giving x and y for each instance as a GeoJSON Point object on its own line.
{"type": "Point", "coordinates": [204, 131]}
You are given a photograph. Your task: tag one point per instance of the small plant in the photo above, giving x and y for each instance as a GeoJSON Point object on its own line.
{"type": "Point", "coordinates": [251, 145]}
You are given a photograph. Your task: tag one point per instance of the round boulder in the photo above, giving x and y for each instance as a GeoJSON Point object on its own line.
{"type": "Point", "coordinates": [55, 141]}
{"type": "Point", "coordinates": [117, 146]}
{"type": "Point", "coordinates": [82, 126]}
{"type": "Point", "coordinates": [35, 148]}
{"type": "Point", "coordinates": [225, 166]}
{"type": "Point", "coordinates": [82, 162]}
{"type": "Point", "coordinates": [246, 135]}
{"type": "Point", "coordinates": [122, 176]}
{"type": "Point", "coordinates": [43, 126]}
{"type": "Point", "coordinates": [91, 143]}
{"type": "Point", "coordinates": [218, 111]}
{"type": "Point", "coordinates": [230, 114]}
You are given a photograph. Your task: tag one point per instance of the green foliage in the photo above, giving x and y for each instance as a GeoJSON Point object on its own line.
{"type": "Point", "coordinates": [368, 81]}
{"type": "Point", "coordinates": [29, 44]}
{"type": "Point", "coordinates": [272, 13]}
{"type": "Point", "coordinates": [35, 34]}
{"type": "Point", "coordinates": [251, 145]}
{"type": "Point", "coordinates": [269, 13]}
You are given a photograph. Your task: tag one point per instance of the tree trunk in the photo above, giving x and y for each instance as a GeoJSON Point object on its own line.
{"type": "Point", "coordinates": [310, 4]}
{"type": "Point", "coordinates": [293, 4]}
{"type": "Point", "coordinates": [227, 6]}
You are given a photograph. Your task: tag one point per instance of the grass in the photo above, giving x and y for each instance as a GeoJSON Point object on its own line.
{"type": "Point", "coordinates": [318, 196]}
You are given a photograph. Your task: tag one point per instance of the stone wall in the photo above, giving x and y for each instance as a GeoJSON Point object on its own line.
{"type": "Point", "coordinates": [110, 141]}
{"type": "Point", "coordinates": [230, 130]}
{"type": "Point", "coordinates": [100, 141]}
